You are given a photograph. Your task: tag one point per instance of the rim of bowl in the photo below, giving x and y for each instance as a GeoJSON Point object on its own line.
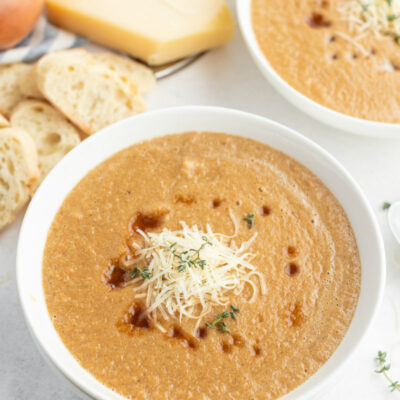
{"type": "Point", "coordinates": [310, 107]}
{"type": "Point", "coordinates": [203, 115]}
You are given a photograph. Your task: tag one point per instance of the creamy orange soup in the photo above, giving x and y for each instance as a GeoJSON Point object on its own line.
{"type": "Point", "coordinates": [305, 250]}
{"type": "Point", "coordinates": [312, 46]}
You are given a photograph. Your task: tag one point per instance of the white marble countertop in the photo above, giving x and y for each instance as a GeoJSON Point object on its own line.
{"type": "Point", "coordinates": [227, 77]}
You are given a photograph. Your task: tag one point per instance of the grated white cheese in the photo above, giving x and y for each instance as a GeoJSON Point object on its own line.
{"type": "Point", "coordinates": [387, 66]}
{"type": "Point", "coordinates": [357, 45]}
{"type": "Point", "coordinates": [381, 17]}
{"type": "Point", "coordinates": [194, 291]}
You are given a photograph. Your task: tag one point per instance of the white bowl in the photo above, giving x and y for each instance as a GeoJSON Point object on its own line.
{"type": "Point", "coordinates": [310, 107]}
{"type": "Point", "coordinates": [102, 145]}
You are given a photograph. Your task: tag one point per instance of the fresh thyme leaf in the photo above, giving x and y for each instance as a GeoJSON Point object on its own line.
{"type": "Point", "coordinates": [386, 205]}
{"type": "Point", "coordinates": [144, 273]}
{"type": "Point", "coordinates": [365, 7]}
{"type": "Point", "coordinates": [189, 258]}
{"type": "Point", "coordinates": [219, 320]}
{"type": "Point", "coordinates": [249, 219]}
{"type": "Point", "coordinates": [134, 271]}
{"type": "Point", "coordinates": [389, 2]}
{"type": "Point", "coordinates": [383, 367]}
{"type": "Point", "coordinates": [169, 247]}
{"type": "Point", "coordinates": [182, 268]}
{"type": "Point", "coordinates": [234, 311]}
{"type": "Point", "coordinates": [221, 326]}
{"type": "Point", "coordinates": [394, 386]}
{"type": "Point", "coordinates": [223, 315]}
{"type": "Point", "coordinates": [392, 17]}
{"type": "Point", "coordinates": [206, 240]}
{"type": "Point", "coordinates": [381, 358]}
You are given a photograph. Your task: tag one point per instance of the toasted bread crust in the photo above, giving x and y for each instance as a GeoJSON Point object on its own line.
{"type": "Point", "coordinates": [89, 94]}
{"type": "Point", "coordinates": [18, 172]}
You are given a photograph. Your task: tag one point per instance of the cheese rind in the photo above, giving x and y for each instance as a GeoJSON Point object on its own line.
{"type": "Point", "coordinates": [156, 31]}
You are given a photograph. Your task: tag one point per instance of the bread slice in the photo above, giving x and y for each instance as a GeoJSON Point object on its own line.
{"type": "Point", "coordinates": [3, 121]}
{"type": "Point", "coordinates": [54, 136]}
{"type": "Point", "coordinates": [139, 74]}
{"type": "Point", "coordinates": [91, 96]}
{"type": "Point", "coordinates": [28, 86]}
{"type": "Point", "coordinates": [28, 82]}
{"type": "Point", "coordinates": [10, 94]}
{"type": "Point", "coordinates": [18, 172]}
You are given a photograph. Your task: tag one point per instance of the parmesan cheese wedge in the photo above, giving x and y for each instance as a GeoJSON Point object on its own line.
{"type": "Point", "coordinates": [156, 31]}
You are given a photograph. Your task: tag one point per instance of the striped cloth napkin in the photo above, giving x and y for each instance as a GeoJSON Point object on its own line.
{"type": "Point", "coordinates": [43, 39]}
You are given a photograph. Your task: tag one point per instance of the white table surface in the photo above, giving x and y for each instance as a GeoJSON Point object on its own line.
{"type": "Point", "coordinates": [227, 77]}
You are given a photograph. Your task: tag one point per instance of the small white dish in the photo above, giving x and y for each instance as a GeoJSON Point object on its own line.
{"type": "Point", "coordinates": [102, 145]}
{"type": "Point", "coordinates": [310, 107]}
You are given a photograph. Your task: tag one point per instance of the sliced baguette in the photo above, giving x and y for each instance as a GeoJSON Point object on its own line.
{"type": "Point", "coordinates": [18, 172]}
{"type": "Point", "coordinates": [28, 86]}
{"type": "Point", "coordinates": [54, 136]}
{"type": "Point", "coordinates": [28, 83]}
{"type": "Point", "coordinates": [10, 94]}
{"type": "Point", "coordinates": [139, 74]}
{"type": "Point", "coordinates": [3, 121]}
{"type": "Point", "coordinates": [92, 97]}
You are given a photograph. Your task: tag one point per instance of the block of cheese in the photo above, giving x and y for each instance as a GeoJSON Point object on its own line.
{"type": "Point", "coordinates": [156, 31]}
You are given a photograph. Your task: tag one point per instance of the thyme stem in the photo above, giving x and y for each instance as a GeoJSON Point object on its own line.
{"type": "Point", "coordinates": [383, 368]}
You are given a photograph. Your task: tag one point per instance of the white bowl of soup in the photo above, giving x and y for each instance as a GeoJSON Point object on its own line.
{"type": "Point", "coordinates": [112, 297]}
{"type": "Point", "coordinates": [309, 53]}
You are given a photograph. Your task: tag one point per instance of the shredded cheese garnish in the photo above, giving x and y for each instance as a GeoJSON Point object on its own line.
{"type": "Point", "coordinates": [357, 45]}
{"type": "Point", "coordinates": [381, 17]}
{"type": "Point", "coordinates": [192, 271]}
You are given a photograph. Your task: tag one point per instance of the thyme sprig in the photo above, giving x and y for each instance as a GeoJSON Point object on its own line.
{"type": "Point", "coordinates": [144, 273]}
{"type": "Point", "coordinates": [383, 368]}
{"type": "Point", "coordinates": [249, 219]}
{"type": "Point", "coordinates": [189, 258]}
{"type": "Point", "coordinates": [386, 205]}
{"type": "Point", "coordinates": [219, 324]}
{"type": "Point", "coordinates": [393, 17]}
{"type": "Point", "coordinates": [234, 311]}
